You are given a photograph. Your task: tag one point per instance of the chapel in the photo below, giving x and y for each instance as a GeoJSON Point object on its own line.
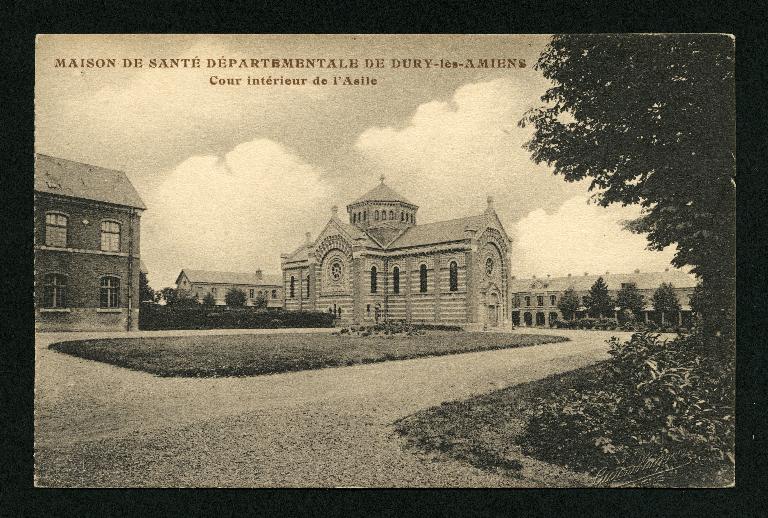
{"type": "Point", "coordinates": [381, 264]}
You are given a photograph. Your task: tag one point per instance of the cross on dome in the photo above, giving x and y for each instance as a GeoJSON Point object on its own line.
{"type": "Point", "coordinates": [381, 178]}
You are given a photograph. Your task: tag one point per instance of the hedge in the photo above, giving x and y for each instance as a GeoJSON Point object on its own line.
{"type": "Point", "coordinates": [154, 317]}
{"type": "Point", "coordinates": [609, 324]}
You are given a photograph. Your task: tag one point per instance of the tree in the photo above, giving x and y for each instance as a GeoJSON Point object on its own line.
{"type": "Point", "coordinates": [568, 304]}
{"type": "Point", "coordinates": [209, 300]}
{"type": "Point", "coordinates": [261, 301]}
{"type": "Point", "coordinates": [629, 298]}
{"type": "Point", "coordinates": [650, 120]}
{"type": "Point", "coordinates": [665, 300]}
{"type": "Point", "coordinates": [235, 298]}
{"type": "Point", "coordinates": [598, 301]}
{"type": "Point", "coordinates": [146, 293]}
{"type": "Point", "coordinates": [179, 298]}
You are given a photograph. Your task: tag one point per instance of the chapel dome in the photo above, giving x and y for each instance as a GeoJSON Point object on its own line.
{"type": "Point", "coordinates": [382, 206]}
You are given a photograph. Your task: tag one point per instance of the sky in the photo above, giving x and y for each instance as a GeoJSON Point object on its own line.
{"type": "Point", "coordinates": [233, 176]}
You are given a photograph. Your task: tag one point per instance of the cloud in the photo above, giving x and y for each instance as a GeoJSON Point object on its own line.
{"type": "Point", "coordinates": [454, 153]}
{"type": "Point", "coordinates": [235, 212]}
{"type": "Point", "coordinates": [580, 237]}
{"type": "Point", "coordinates": [142, 115]}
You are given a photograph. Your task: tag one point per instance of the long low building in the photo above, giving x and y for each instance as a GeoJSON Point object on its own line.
{"type": "Point", "coordinates": [254, 284]}
{"type": "Point", "coordinates": [535, 300]}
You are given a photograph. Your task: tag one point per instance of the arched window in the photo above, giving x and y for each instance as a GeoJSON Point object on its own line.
{"type": "Point", "coordinates": [339, 311]}
{"type": "Point", "coordinates": [423, 278]}
{"type": "Point", "coordinates": [274, 294]}
{"type": "Point", "coordinates": [396, 280]}
{"type": "Point", "coordinates": [55, 291]}
{"type": "Point", "coordinates": [453, 278]}
{"type": "Point", "coordinates": [110, 236]}
{"type": "Point", "coordinates": [292, 289]}
{"type": "Point", "coordinates": [383, 215]}
{"type": "Point", "coordinates": [376, 215]}
{"type": "Point", "coordinates": [391, 214]}
{"type": "Point", "coordinates": [365, 215]}
{"type": "Point", "coordinates": [109, 295]}
{"type": "Point", "coordinates": [402, 216]}
{"type": "Point", "coordinates": [354, 218]}
{"type": "Point", "coordinates": [307, 286]}
{"type": "Point", "coordinates": [373, 279]}
{"type": "Point", "coordinates": [56, 230]}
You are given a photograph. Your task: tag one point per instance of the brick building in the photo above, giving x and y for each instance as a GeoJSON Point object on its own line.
{"type": "Point", "coordinates": [256, 284]}
{"type": "Point", "coordinates": [534, 301]}
{"type": "Point", "coordinates": [381, 265]}
{"type": "Point", "coordinates": [86, 247]}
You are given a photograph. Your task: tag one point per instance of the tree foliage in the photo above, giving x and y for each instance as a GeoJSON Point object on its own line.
{"type": "Point", "coordinates": [209, 300]}
{"type": "Point", "coordinates": [180, 298]}
{"type": "Point", "coordinates": [650, 120]}
{"type": "Point", "coordinates": [146, 293]}
{"type": "Point", "coordinates": [665, 299]}
{"type": "Point", "coordinates": [568, 304]}
{"type": "Point", "coordinates": [629, 298]}
{"type": "Point", "coordinates": [598, 301]}
{"type": "Point", "coordinates": [261, 301]}
{"type": "Point", "coordinates": [235, 298]}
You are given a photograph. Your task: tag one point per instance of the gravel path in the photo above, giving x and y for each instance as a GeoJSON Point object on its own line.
{"type": "Point", "coordinates": [102, 426]}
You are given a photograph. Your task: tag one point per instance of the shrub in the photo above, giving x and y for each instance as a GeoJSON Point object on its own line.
{"type": "Point", "coordinates": [154, 317]}
{"type": "Point", "coordinates": [235, 298]}
{"type": "Point", "coordinates": [651, 397]}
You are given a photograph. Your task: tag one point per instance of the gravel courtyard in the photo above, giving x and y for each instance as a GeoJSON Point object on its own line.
{"type": "Point", "coordinates": [98, 425]}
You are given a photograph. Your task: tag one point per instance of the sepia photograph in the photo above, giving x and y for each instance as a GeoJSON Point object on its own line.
{"type": "Point", "coordinates": [385, 261]}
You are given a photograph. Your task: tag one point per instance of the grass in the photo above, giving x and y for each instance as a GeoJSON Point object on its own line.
{"type": "Point", "coordinates": [252, 355]}
{"type": "Point", "coordinates": [486, 431]}
{"type": "Point", "coordinates": [482, 430]}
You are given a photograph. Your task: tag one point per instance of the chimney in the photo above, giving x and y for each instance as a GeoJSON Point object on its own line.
{"type": "Point", "coordinates": [489, 199]}
{"type": "Point", "coordinates": [586, 273]}
{"type": "Point", "coordinates": [607, 272]}
{"type": "Point", "coordinates": [534, 276]}
{"type": "Point", "coordinates": [547, 276]}
{"type": "Point", "coordinates": [334, 210]}
{"type": "Point", "coordinates": [513, 277]}
{"type": "Point", "coordinates": [569, 275]}
{"type": "Point", "coordinates": [666, 269]}
{"type": "Point", "coordinates": [637, 270]}
{"type": "Point", "coordinates": [308, 237]}
{"type": "Point", "coordinates": [259, 274]}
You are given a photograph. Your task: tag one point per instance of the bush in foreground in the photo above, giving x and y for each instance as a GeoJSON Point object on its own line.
{"type": "Point", "coordinates": [653, 397]}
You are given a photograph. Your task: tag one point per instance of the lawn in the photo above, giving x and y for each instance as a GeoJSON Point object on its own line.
{"type": "Point", "coordinates": [252, 355]}
{"type": "Point", "coordinates": [481, 430]}
{"type": "Point", "coordinates": [487, 431]}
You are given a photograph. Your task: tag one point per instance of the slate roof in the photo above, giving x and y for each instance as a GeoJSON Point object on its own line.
{"type": "Point", "coordinates": [77, 180]}
{"type": "Point", "coordinates": [384, 234]}
{"type": "Point", "coordinates": [643, 280]}
{"type": "Point", "coordinates": [381, 192]}
{"type": "Point", "coordinates": [300, 254]}
{"type": "Point", "coordinates": [438, 232]}
{"type": "Point", "coordinates": [216, 277]}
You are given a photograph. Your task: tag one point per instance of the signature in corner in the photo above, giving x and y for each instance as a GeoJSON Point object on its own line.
{"type": "Point", "coordinates": [647, 468]}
